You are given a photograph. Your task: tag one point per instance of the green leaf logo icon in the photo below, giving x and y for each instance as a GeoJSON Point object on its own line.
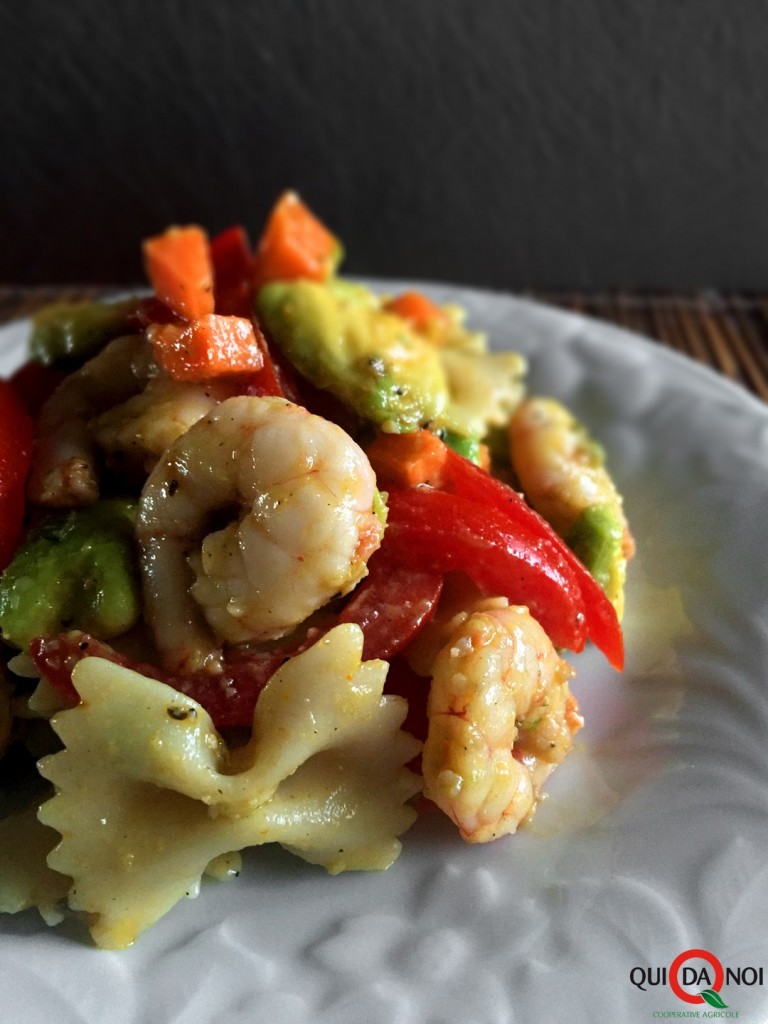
{"type": "Point", "coordinates": [713, 998]}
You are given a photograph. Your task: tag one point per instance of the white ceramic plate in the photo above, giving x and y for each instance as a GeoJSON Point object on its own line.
{"type": "Point", "coordinates": [652, 842]}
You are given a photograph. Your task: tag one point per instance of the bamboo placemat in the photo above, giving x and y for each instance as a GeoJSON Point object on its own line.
{"type": "Point", "coordinates": [726, 331]}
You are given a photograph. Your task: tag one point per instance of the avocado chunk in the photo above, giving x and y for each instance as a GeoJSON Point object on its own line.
{"type": "Point", "coordinates": [338, 335]}
{"type": "Point", "coordinates": [75, 571]}
{"type": "Point", "coordinates": [597, 538]}
{"type": "Point", "coordinates": [75, 331]}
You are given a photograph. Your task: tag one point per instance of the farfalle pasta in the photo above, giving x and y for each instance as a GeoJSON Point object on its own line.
{"type": "Point", "coordinates": [148, 794]}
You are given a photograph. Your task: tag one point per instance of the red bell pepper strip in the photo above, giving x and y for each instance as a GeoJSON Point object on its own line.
{"type": "Point", "coordinates": [514, 558]}
{"type": "Point", "coordinates": [149, 310]}
{"type": "Point", "coordinates": [442, 532]}
{"type": "Point", "coordinates": [230, 698]}
{"type": "Point", "coordinates": [470, 481]}
{"type": "Point", "coordinates": [404, 682]}
{"type": "Point", "coordinates": [453, 474]}
{"type": "Point", "coordinates": [34, 382]}
{"type": "Point", "coordinates": [55, 658]}
{"type": "Point", "coordinates": [15, 457]}
{"type": "Point", "coordinates": [276, 376]}
{"type": "Point", "coordinates": [232, 259]}
{"type": "Point", "coordinates": [391, 605]}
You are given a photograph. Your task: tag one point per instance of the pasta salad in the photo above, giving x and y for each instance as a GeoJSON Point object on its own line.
{"type": "Point", "coordinates": [284, 559]}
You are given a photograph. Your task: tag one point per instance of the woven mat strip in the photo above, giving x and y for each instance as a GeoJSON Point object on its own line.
{"type": "Point", "coordinates": [729, 333]}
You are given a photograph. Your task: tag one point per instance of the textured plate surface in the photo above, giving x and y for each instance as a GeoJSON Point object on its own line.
{"type": "Point", "coordinates": [652, 840]}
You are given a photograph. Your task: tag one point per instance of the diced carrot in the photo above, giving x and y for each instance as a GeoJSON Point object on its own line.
{"type": "Point", "coordinates": [294, 244]}
{"type": "Point", "coordinates": [406, 460]}
{"type": "Point", "coordinates": [178, 265]}
{"type": "Point", "coordinates": [417, 309]}
{"type": "Point", "coordinates": [210, 346]}
{"type": "Point", "coordinates": [484, 457]}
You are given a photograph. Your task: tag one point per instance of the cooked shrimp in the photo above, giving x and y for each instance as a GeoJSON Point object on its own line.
{"type": "Point", "coordinates": [64, 472]}
{"type": "Point", "coordinates": [560, 467]}
{"type": "Point", "coordinates": [501, 716]}
{"type": "Point", "coordinates": [563, 474]}
{"type": "Point", "coordinates": [137, 431]}
{"type": "Point", "coordinates": [304, 527]}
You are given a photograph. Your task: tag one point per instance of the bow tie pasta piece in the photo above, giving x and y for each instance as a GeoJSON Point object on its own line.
{"type": "Point", "coordinates": [484, 388]}
{"type": "Point", "coordinates": [27, 881]}
{"type": "Point", "coordinates": [148, 794]}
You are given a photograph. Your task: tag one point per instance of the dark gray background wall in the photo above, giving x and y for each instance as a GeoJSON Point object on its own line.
{"type": "Point", "coordinates": [544, 143]}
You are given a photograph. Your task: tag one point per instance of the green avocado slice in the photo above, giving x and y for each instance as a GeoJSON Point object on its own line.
{"type": "Point", "coordinates": [338, 336]}
{"type": "Point", "coordinates": [75, 571]}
